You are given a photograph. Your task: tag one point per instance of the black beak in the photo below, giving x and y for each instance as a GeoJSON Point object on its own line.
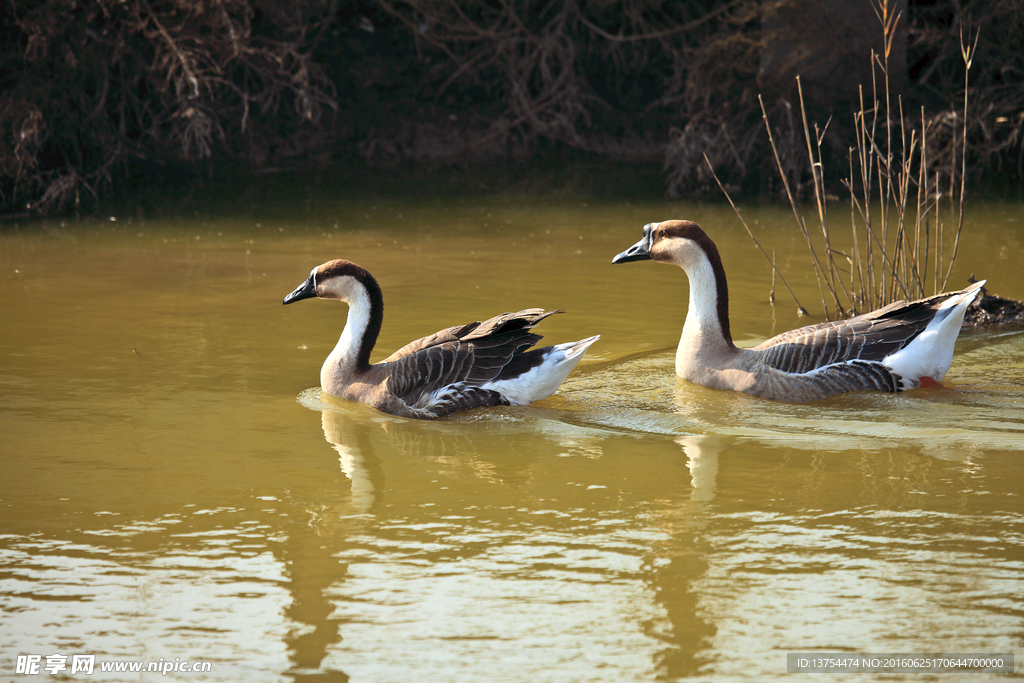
{"type": "Point", "coordinates": [307, 290]}
{"type": "Point", "coordinates": [641, 251]}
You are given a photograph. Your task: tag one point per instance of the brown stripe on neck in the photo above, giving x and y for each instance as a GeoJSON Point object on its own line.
{"type": "Point", "coordinates": [721, 285]}
{"type": "Point", "coordinates": [374, 325]}
{"type": "Point", "coordinates": [693, 232]}
{"type": "Point", "coordinates": [341, 268]}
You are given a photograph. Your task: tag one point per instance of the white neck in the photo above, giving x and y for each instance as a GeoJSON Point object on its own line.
{"type": "Point", "coordinates": [702, 331]}
{"type": "Point", "coordinates": [342, 360]}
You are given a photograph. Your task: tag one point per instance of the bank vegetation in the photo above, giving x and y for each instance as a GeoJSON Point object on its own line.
{"type": "Point", "coordinates": [100, 97]}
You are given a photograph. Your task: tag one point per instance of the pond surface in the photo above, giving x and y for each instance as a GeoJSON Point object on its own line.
{"type": "Point", "coordinates": [175, 487]}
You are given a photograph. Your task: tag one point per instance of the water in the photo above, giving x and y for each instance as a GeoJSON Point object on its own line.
{"type": "Point", "coordinates": [175, 487]}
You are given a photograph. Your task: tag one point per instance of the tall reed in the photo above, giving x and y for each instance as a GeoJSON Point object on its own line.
{"type": "Point", "coordinates": [898, 245]}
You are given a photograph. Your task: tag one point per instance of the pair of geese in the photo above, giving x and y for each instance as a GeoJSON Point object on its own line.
{"type": "Point", "coordinates": [895, 348]}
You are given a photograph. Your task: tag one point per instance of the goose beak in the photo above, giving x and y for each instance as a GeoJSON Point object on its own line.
{"type": "Point", "coordinates": [641, 251]}
{"type": "Point", "coordinates": [306, 290]}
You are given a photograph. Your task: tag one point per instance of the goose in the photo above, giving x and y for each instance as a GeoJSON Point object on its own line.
{"type": "Point", "coordinates": [467, 366]}
{"type": "Point", "coordinates": [899, 347]}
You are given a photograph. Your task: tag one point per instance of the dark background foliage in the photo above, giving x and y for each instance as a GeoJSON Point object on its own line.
{"type": "Point", "coordinates": [98, 98]}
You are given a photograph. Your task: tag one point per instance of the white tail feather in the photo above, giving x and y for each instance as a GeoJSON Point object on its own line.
{"type": "Point", "coordinates": [542, 380]}
{"type": "Point", "coordinates": [931, 353]}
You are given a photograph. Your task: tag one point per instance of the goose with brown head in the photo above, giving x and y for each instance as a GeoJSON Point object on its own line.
{"type": "Point", "coordinates": [468, 366]}
{"type": "Point", "coordinates": [895, 348]}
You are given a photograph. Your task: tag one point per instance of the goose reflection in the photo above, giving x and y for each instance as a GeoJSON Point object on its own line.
{"type": "Point", "coordinates": [503, 498]}
{"type": "Point", "coordinates": [373, 448]}
{"type": "Point", "coordinates": [701, 453]}
{"type": "Point", "coordinates": [939, 424]}
{"type": "Point", "coordinates": [365, 440]}
{"type": "Point", "coordinates": [350, 437]}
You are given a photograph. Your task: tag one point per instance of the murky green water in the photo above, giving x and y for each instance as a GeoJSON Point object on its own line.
{"type": "Point", "coordinates": [175, 487]}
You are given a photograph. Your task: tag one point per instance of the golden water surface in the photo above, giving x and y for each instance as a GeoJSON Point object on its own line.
{"type": "Point", "coordinates": [174, 486]}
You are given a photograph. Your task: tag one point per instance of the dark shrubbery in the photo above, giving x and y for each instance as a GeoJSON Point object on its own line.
{"type": "Point", "coordinates": [94, 94]}
{"type": "Point", "coordinates": [94, 89]}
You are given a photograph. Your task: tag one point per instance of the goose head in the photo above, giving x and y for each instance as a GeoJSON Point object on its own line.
{"type": "Point", "coordinates": [338, 279]}
{"type": "Point", "coordinates": [681, 243]}
{"type": "Point", "coordinates": [685, 244]}
{"type": "Point", "coordinates": [345, 281]}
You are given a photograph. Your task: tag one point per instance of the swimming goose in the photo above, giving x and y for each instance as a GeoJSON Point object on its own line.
{"type": "Point", "coordinates": [468, 366]}
{"type": "Point", "coordinates": [895, 348]}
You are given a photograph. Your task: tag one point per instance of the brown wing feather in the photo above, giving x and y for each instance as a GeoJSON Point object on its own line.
{"type": "Point", "coordinates": [868, 337]}
{"type": "Point", "coordinates": [506, 321]}
{"type": "Point", "coordinates": [469, 355]}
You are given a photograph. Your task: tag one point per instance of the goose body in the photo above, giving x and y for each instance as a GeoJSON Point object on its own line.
{"type": "Point", "coordinates": [467, 366]}
{"type": "Point", "coordinates": [894, 348]}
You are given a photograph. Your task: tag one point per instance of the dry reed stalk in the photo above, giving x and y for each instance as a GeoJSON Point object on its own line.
{"type": "Point", "coordinates": [818, 270]}
{"type": "Point", "coordinates": [967, 51]}
{"type": "Point", "coordinates": [775, 270]}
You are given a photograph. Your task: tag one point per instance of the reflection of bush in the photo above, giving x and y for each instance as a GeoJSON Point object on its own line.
{"type": "Point", "coordinates": [100, 91]}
